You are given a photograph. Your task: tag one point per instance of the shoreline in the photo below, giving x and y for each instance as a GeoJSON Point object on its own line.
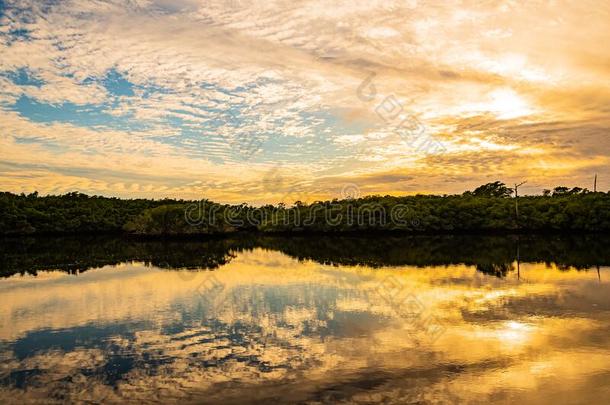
{"type": "Point", "coordinates": [309, 233]}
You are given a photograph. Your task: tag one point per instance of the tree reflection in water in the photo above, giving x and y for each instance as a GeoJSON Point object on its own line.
{"type": "Point", "coordinates": [491, 254]}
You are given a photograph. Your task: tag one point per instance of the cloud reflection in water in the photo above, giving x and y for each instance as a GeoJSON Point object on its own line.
{"type": "Point", "coordinates": [295, 331]}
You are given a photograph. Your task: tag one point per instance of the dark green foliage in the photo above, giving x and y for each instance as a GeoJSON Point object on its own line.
{"type": "Point", "coordinates": [570, 212]}
{"type": "Point", "coordinates": [205, 218]}
{"type": "Point", "coordinates": [495, 189]}
{"type": "Point", "coordinates": [68, 213]}
{"type": "Point", "coordinates": [487, 208]}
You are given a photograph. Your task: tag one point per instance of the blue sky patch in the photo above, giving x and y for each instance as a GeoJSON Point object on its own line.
{"type": "Point", "coordinates": [19, 34]}
{"type": "Point", "coordinates": [88, 115]}
{"type": "Point", "coordinates": [114, 82]}
{"type": "Point", "coordinates": [117, 85]}
{"type": "Point", "coordinates": [24, 77]}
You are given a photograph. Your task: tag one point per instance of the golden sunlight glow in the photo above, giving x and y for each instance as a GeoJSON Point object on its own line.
{"type": "Point", "coordinates": [513, 332]}
{"type": "Point", "coordinates": [531, 76]}
{"type": "Point", "coordinates": [507, 104]}
{"type": "Point", "coordinates": [470, 307]}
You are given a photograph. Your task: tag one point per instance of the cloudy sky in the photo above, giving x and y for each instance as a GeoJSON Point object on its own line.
{"type": "Point", "coordinates": [264, 101]}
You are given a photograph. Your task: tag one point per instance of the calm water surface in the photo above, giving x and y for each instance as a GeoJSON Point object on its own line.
{"type": "Point", "coordinates": [306, 320]}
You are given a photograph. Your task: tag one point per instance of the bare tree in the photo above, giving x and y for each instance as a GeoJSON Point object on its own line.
{"type": "Point", "coordinates": [517, 200]}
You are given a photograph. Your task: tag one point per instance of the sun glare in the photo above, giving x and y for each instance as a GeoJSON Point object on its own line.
{"type": "Point", "coordinates": [513, 332]}
{"type": "Point", "coordinates": [507, 104]}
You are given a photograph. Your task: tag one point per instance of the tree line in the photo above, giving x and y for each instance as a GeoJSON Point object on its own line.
{"type": "Point", "coordinates": [489, 207]}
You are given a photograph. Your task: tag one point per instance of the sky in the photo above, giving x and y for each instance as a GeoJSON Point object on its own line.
{"type": "Point", "coordinates": [269, 101]}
